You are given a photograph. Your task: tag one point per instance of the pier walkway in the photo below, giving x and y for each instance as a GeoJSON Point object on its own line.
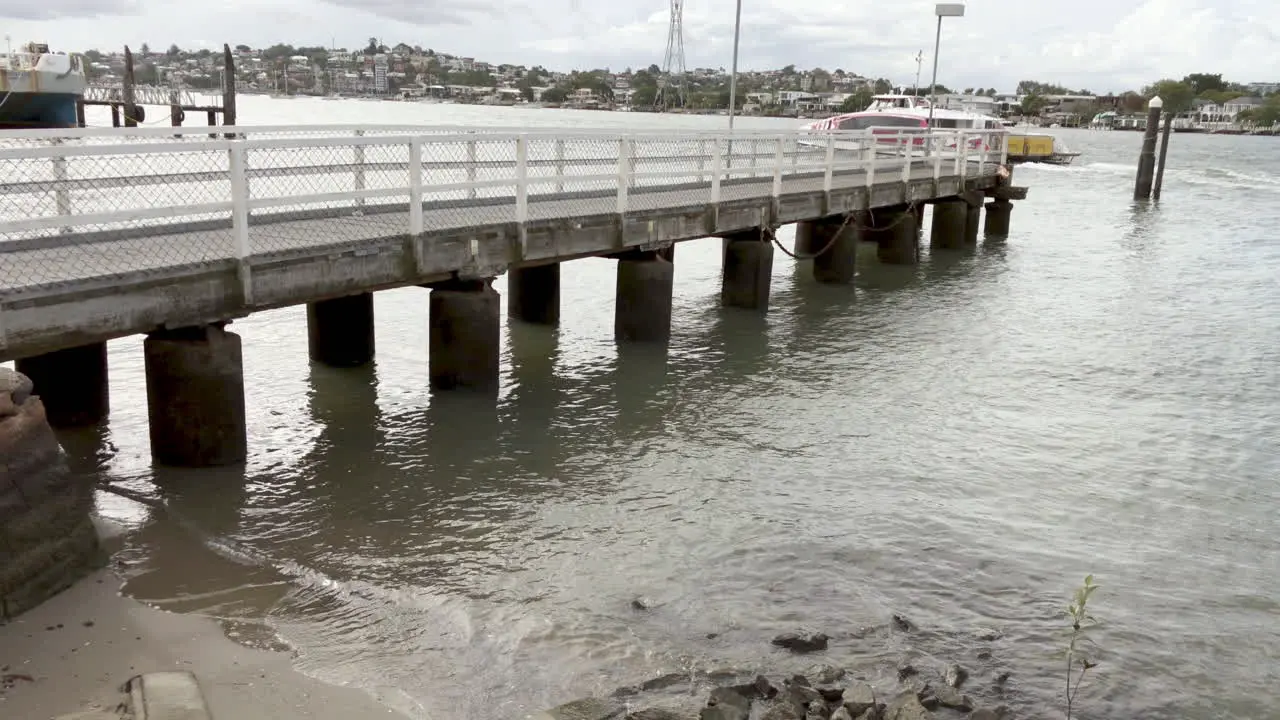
{"type": "Point", "coordinates": [173, 232]}
{"type": "Point", "coordinates": [185, 229]}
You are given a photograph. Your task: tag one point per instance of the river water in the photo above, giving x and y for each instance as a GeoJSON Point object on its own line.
{"type": "Point", "coordinates": [959, 442]}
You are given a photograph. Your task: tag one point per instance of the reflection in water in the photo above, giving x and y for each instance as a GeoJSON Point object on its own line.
{"type": "Point", "coordinates": [960, 441]}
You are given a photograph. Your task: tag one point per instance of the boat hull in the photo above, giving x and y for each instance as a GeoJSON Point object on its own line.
{"type": "Point", "coordinates": [38, 110]}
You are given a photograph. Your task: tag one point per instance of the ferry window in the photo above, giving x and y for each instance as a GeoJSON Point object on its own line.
{"type": "Point", "coordinates": [946, 123]}
{"type": "Point", "coordinates": [867, 121]}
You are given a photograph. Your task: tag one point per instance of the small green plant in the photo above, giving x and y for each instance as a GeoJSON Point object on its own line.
{"type": "Point", "coordinates": [1077, 654]}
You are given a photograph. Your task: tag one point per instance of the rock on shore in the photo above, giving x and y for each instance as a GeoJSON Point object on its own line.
{"type": "Point", "coordinates": [47, 540]}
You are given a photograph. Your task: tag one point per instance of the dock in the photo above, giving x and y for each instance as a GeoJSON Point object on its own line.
{"type": "Point", "coordinates": [113, 232]}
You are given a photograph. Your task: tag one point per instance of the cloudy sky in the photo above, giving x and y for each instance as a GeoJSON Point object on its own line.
{"type": "Point", "coordinates": [1100, 45]}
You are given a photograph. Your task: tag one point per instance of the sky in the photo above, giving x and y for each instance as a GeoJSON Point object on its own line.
{"type": "Point", "coordinates": [1098, 45]}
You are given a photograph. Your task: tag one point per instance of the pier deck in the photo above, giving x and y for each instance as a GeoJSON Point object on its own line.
{"type": "Point", "coordinates": [106, 234]}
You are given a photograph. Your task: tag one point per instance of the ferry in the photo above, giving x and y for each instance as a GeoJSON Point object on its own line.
{"type": "Point", "coordinates": [40, 89]}
{"type": "Point", "coordinates": [889, 114]}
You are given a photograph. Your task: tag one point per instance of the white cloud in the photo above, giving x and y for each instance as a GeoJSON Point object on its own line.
{"type": "Point", "coordinates": [1098, 44]}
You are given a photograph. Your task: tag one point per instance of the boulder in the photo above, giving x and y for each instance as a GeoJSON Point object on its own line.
{"type": "Point", "coordinates": [859, 698]}
{"type": "Point", "coordinates": [47, 539]}
{"type": "Point", "coordinates": [802, 642]}
{"type": "Point", "coordinates": [655, 714]}
{"type": "Point", "coordinates": [589, 708]}
{"type": "Point", "coordinates": [955, 675]}
{"type": "Point", "coordinates": [906, 707]}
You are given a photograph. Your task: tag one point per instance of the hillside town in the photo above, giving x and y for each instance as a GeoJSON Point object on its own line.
{"type": "Point", "coordinates": [1203, 101]}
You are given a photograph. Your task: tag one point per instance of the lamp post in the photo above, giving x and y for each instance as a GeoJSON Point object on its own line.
{"type": "Point", "coordinates": [941, 10]}
{"type": "Point", "coordinates": [733, 77]}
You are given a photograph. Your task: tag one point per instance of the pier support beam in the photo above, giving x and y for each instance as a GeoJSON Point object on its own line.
{"type": "Point", "coordinates": [949, 220]}
{"type": "Point", "coordinates": [642, 312]}
{"type": "Point", "coordinates": [748, 267]}
{"type": "Point", "coordinates": [533, 294]}
{"type": "Point", "coordinates": [195, 396]}
{"type": "Point", "coordinates": [340, 331]}
{"type": "Point", "coordinates": [72, 384]}
{"type": "Point", "coordinates": [835, 239]}
{"type": "Point", "coordinates": [998, 212]}
{"type": "Point", "coordinates": [897, 237]}
{"type": "Point", "coordinates": [465, 335]}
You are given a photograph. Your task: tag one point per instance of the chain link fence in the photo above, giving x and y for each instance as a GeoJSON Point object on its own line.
{"type": "Point", "coordinates": [81, 205]}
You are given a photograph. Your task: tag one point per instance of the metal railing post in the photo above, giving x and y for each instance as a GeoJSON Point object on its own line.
{"type": "Point", "coordinates": [829, 170]}
{"type": "Point", "coordinates": [1004, 148]}
{"type": "Point", "coordinates": [522, 179]}
{"type": "Point", "coordinates": [359, 169]}
{"type": "Point", "coordinates": [471, 169]}
{"type": "Point", "coordinates": [62, 196]}
{"type": "Point", "coordinates": [871, 158]}
{"type": "Point", "coordinates": [964, 155]}
{"type": "Point", "coordinates": [936, 148]}
{"type": "Point", "coordinates": [415, 187]}
{"type": "Point", "coordinates": [906, 161]}
{"type": "Point", "coordinates": [240, 218]}
{"type": "Point", "coordinates": [778, 155]}
{"type": "Point", "coordinates": [717, 170]}
{"type": "Point", "coordinates": [559, 165]}
{"type": "Point", "coordinates": [624, 173]}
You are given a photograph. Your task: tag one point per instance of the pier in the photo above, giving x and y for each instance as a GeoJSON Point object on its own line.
{"type": "Point", "coordinates": [165, 232]}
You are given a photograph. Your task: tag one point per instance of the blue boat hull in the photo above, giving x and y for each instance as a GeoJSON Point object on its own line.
{"type": "Point", "coordinates": [37, 110]}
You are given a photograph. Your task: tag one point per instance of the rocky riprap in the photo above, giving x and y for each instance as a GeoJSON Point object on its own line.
{"type": "Point", "coordinates": [822, 692]}
{"type": "Point", "coordinates": [47, 540]}
{"type": "Point", "coordinates": [831, 694]}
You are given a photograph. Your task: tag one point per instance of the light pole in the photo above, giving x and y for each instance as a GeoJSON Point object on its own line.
{"type": "Point", "coordinates": [941, 10]}
{"type": "Point", "coordinates": [733, 77]}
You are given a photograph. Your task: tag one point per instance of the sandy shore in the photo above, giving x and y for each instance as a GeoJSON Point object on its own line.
{"type": "Point", "coordinates": [81, 646]}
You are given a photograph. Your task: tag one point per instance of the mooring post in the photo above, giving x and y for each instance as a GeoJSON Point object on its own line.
{"type": "Point", "coordinates": [175, 112]}
{"type": "Point", "coordinates": [228, 89]}
{"type": "Point", "coordinates": [127, 93]}
{"type": "Point", "coordinates": [1147, 159]}
{"type": "Point", "coordinates": [1164, 152]}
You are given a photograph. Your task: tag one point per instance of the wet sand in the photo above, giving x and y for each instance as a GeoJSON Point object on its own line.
{"type": "Point", "coordinates": [80, 647]}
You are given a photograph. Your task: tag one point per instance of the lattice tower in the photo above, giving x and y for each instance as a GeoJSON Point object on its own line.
{"type": "Point", "coordinates": [672, 88]}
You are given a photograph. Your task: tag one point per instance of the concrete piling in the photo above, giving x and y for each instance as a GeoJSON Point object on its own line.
{"type": "Point", "coordinates": [835, 240]}
{"type": "Point", "coordinates": [340, 330]}
{"type": "Point", "coordinates": [950, 218]}
{"type": "Point", "coordinates": [195, 396]}
{"type": "Point", "coordinates": [898, 239]}
{"type": "Point", "coordinates": [804, 239]}
{"type": "Point", "coordinates": [998, 212]}
{"type": "Point", "coordinates": [533, 294]}
{"type": "Point", "coordinates": [465, 335]}
{"type": "Point", "coordinates": [72, 384]}
{"type": "Point", "coordinates": [972, 222]}
{"type": "Point", "coordinates": [748, 267]}
{"type": "Point", "coordinates": [642, 311]}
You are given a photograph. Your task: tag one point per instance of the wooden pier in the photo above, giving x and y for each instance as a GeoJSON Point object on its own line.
{"type": "Point", "coordinates": [108, 233]}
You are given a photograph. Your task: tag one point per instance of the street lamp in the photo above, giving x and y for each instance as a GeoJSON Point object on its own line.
{"type": "Point", "coordinates": [941, 10]}
{"type": "Point", "coordinates": [733, 77]}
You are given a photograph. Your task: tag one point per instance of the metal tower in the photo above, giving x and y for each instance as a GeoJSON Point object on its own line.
{"type": "Point", "coordinates": [671, 86]}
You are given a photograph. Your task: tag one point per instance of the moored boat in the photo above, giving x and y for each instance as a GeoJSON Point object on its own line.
{"type": "Point", "coordinates": [40, 89]}
{"type": "Point", "coordinates": [1039, 148]}
{"type": "Point", "coordinates": [891, 114]}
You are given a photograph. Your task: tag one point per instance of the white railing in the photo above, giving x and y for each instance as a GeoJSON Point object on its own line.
{"type": "Point", "coordinates": [190, 199]}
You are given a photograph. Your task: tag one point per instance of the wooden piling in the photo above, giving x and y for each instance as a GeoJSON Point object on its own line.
{"type": "Point", "coordinates": [1164, 152]}
{"type": "Point", "coordinates": [1147, 158]}
{"type": "Point", "coordinates": [130, 107]}
{"type": "Point", "coordinates": [228, 88]}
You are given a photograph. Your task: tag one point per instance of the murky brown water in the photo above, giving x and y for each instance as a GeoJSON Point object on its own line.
{"type": "Point", "coordinates": [959, 442]}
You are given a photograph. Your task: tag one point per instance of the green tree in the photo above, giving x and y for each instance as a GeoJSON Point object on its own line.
{"type": "Point", "coordinates": [1265, 115]}
{"type": "Point", "coordinates": [1177, 96]}
{"type": "Point", "coordinates": [372, 47]}
{"type": "Point", "coordinates": [554, 95]}
{"type": "Point", "coordinates": [856, 102]}
{"type": "Point", "coordinates": [145, 49]}
{"type": "Point", "coordinates": [882, 86]}
{"type": "Point", "coordinates": [1201, 83]}
{"type": "Point", "coordinates": [1034, 104]}
{"type": "Point", "coordinates": [243, 48]}
{"type": "Point", "coordinates": [173, 51]}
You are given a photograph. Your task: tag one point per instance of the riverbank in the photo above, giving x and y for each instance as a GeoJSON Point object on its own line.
{"type": "Point", "coordinates": [73, 653]}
